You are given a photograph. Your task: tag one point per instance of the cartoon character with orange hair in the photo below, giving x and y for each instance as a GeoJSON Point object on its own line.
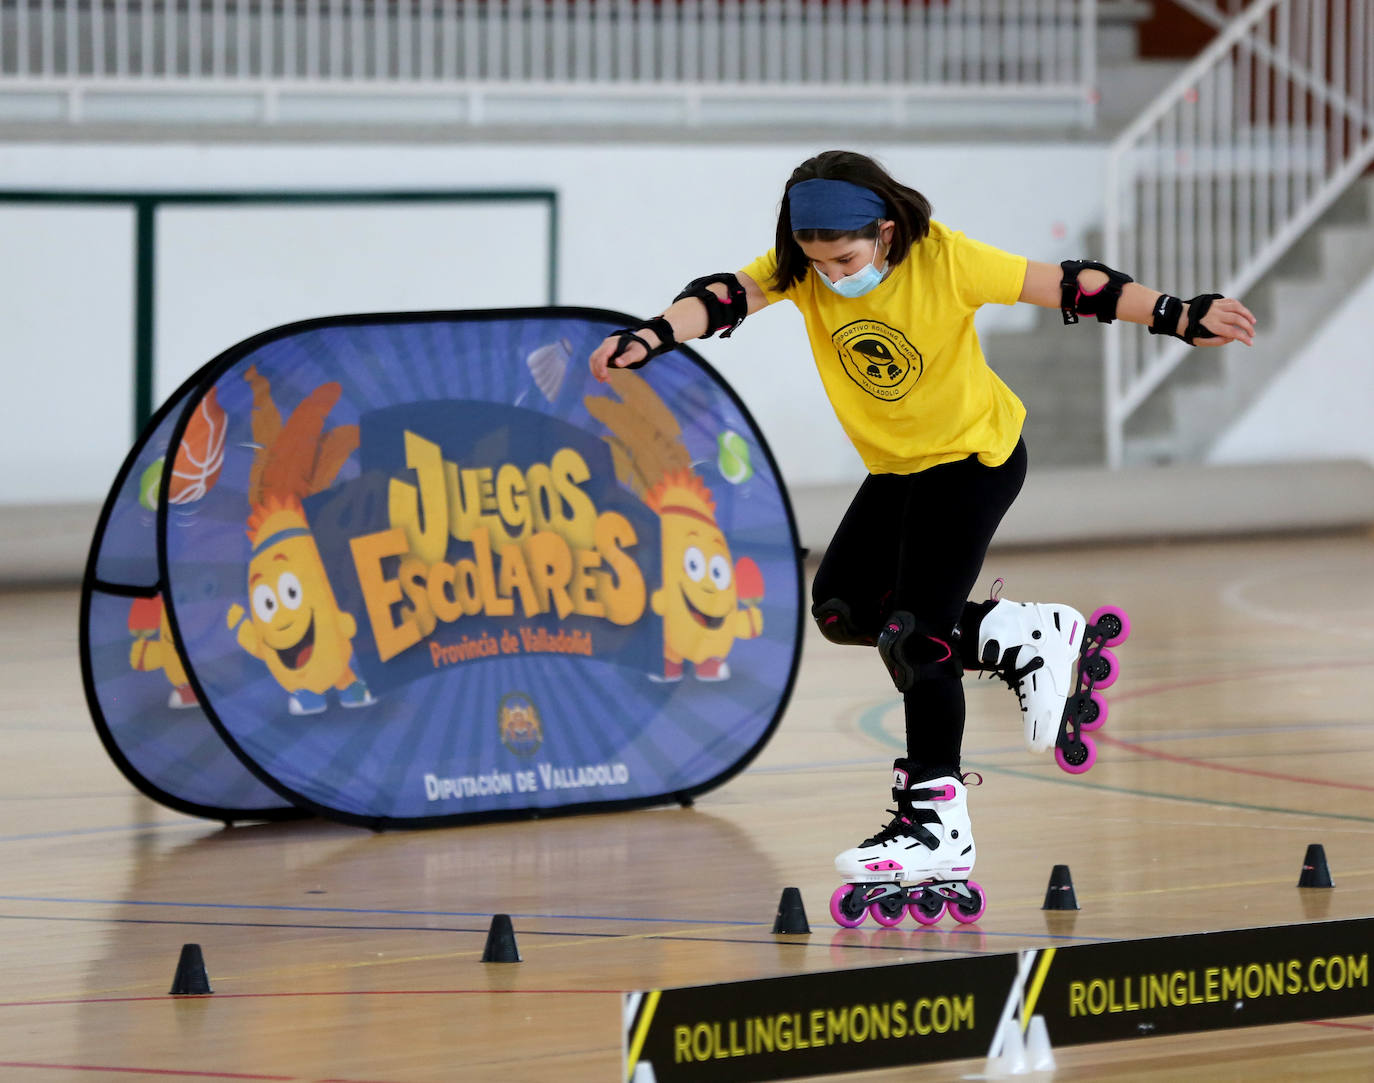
{"type": "Point", "coordinates": [154, 648]}
{"type": "Point", "coordinates": [707, 601]}
{"type": "Point", "coordinates": [699, 598]}
{"type": "Point", "coordinates": [295, 625]}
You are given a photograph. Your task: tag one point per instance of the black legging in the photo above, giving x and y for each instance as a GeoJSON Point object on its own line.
{"type": "Point", "coordinates": [917, 542]}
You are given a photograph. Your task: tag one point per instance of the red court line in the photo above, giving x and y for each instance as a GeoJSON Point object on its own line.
{"type": "Point", "coordinates": [1107, 738]}
{"type": "Point", "coordinates": [143, 1071]}
{"type": "Point", "coordinates": [185, 1073]}
{"type": "Point", "coordinates": [1235, 675]}
{"type": "Point", "coordinates": [1343, 1026]}
{"type": "Point", "coordinates": [318, 993]}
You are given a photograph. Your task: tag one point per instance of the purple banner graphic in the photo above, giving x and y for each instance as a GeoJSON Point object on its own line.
{"type": "Point", "coordinates": [439, 573]}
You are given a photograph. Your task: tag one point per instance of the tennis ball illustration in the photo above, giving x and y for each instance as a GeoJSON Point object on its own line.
{"type": "Point", "coordinates": [733, 459]}
{"type": "Point", "coordinates": [149, 483]}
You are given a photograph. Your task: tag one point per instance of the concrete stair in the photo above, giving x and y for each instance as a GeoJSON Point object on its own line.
{"type": "Point", "coordinates": [1192, 408]}
{"type": "Point", "coordinates": [1057, 370]}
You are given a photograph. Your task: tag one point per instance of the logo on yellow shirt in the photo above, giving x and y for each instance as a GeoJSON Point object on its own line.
{"type": "Point", "coordinates": [878, 358]}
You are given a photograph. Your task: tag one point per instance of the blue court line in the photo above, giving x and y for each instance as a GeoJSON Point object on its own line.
{"type": "Point", "coordinates": [77, 831]}
{"type": "Point", "coordinates": [359, 910]}
{"type": "Point", "coordinates": [545, 932]}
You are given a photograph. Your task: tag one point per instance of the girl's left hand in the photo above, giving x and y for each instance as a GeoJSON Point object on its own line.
{"type": "Point", "coordinates": [1229, 321]}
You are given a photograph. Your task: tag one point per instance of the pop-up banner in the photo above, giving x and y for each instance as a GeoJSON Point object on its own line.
{"type": "Point", "coordinates": [418, 568]}
{"type": "Point", "coordinates": [140, 697]}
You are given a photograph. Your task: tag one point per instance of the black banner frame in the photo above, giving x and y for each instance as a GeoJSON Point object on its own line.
{"type": "Point", "coordinates": [91, 584]}
{"type": "Point", "coordinates": [209, 374]}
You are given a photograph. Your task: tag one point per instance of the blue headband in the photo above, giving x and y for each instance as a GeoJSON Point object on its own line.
{"type": "Point", "coordinates": [281, 536]}
{"type": "Point", "coordinates": [833, 204]}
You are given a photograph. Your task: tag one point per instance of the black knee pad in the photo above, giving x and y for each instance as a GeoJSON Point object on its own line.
{"type": "Point", "coordinates": [912, 654]}
{"type": "Point", "coordinates": [837, 624]}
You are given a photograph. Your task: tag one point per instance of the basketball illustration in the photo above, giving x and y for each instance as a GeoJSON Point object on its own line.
{"type": "Point", "coordinates": [201, 454]}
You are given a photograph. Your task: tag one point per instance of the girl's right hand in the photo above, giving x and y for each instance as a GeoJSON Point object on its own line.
{"type": "Point", "coordinates": [600, 361]}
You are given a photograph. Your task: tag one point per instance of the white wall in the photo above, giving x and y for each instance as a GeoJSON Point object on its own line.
{"type": "Point", "coordinates": [66, 357]}
{"type": "Point", "coordinates": [638, 221]}
{"type": "Point", "coordinates": [1321, 406]}
{"type": "Point", "coordinates": [225, 273]}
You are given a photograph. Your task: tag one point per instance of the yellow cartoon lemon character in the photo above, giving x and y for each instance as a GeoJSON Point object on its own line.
{"type": "Point", "coordinates": [154, 648]}
{"type": "Point", "coordinates": [296, 627]}
{"type": "Point", "coordinates": [699, 599]}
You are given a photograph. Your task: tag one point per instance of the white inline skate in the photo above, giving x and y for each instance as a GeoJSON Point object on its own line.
{"type": "Point", "coordinates": [918, 864]}
{"type": "Point", "coordinates": [1053, 659]}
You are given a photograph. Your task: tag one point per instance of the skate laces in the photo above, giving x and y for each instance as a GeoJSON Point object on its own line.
{"type": "Point", "coordinates": [1014, 677]}
{"type": "Point", "coordinates": [996, 588]}
{"type": "Point", "coordinates": [904, 824]}
{"type": "Point", "coordinates": [891, 831]}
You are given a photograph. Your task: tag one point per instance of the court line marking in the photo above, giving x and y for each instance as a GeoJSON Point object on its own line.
{"type": "Point", "coordinates": [184, 1073]}
{"type": "Point", "coordinates": [312, 993]}
{"type": "Point", "coordinates": [1213, 765]}
{"type": "Point", "coordinates": [1233, 595]}
{"type": "Point", "coordinates": [870, 724]}
{"type": "Point", "coordinates": [523, 932]}
{"type": "Point", "coordinates": [574, 939]}
{"type": "Point", "coordinates": [181, 1072]}
{"type": "Point", "coordinates": [358, 910]}
{"type": "Point", "coordinates": [77, 832]}
{"type": "Point", "coordinates": [1333, 1023]}
{"type": "Point", "coordinates": [1123, 695]}
{"type": "Point", "coordinates": [1278, 668]}
{"type": "Point", "coordinates": [322, 926]}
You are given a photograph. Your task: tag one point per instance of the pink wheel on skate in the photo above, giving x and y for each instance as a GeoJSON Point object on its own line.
{"type": "Point", "coordinates": [928, 908]}
{"type": "Point", "coordinates": [959, 908]}
{"type": "Point", "coordinates": [881, 914]}
{"type": "Point", "coordinates": [1098, 709]}
{"type": "Point", "coordinates": [840, 903]}
{"type": "Point", "coordinates": [1077, 768]}
{"type": "Point", "coordinates": [1103, 669]}
{"type": "Point", "coordinates": [1113, 623]}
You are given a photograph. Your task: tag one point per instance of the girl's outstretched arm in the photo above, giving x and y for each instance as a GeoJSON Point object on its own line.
{"type": "Point", "coordinates": [1224, 320]}
{"type": "Point", "coordinates": [687, 317]}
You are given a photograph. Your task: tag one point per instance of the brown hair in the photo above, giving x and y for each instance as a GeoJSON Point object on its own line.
{"type": "Point", "coordinates": [908, 209]}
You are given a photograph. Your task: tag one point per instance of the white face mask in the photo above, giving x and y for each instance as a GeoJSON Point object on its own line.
{"type": "Point", "coordinates": [861, 281]}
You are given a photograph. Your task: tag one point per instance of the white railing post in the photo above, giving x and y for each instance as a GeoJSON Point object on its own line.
{"type": "Point", "coordinates": [1111, 333]}
{"type": "Point", "coordinates": [1004, 56]}
{"type": "Point", "coordinates": [1253, 167]}
{"type": "Point", "coordinates": [1087, 63]}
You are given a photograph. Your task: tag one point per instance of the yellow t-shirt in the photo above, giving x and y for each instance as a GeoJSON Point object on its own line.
{"type": "Point", "coordinates": [902, 365]}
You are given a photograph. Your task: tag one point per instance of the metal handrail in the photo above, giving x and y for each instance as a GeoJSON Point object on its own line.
{"type": "Point", "coordinates": [1233, 161]}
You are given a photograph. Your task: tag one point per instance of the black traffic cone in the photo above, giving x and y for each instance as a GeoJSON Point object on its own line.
{"type": "Point", "coordinates": [1060, 894]}
{"type": "Point", "coordinates": [791, 916]}
{"type": "Point", "coordinates": [190, 978]}
{"type": "Point", "coordinates": [501, 942]}
{"type": "Point", "coordinates": [1314, 870]}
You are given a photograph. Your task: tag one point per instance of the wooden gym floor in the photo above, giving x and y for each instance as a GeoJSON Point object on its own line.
{"type": "Point", "coordinates": [1240, 732]}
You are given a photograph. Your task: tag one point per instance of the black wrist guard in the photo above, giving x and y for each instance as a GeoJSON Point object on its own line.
{"type": "Point", "coordinates": [1168, 311]}
{"type": "Point", "coordinates": [659, 326]}
{"type": "Point", "coordinates": [1073, 302]}
{"type": "Point", "coordinates": [1197, 309]}
{"type": "Point", "coordinates": [722, 314]}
